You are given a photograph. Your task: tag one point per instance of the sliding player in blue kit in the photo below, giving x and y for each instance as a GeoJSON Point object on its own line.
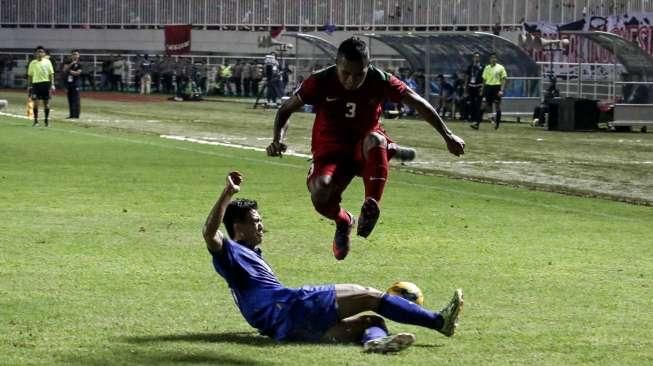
{"type": "Point", "coordinates": [311, 313]}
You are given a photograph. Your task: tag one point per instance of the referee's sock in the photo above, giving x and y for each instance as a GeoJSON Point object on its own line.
{"type": "Point", "coordinates": [47, 115]}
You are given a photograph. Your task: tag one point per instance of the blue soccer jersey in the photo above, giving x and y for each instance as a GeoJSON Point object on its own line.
{"type": "Point", "coordinates": [276, 311]}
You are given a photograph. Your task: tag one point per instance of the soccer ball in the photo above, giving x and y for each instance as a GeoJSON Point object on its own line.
{"type": "Point", "coordinates": [408, 291]}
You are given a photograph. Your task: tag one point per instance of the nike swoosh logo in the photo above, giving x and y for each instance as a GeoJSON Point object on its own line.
{"type": "Point", "coordinates": [331, 99]}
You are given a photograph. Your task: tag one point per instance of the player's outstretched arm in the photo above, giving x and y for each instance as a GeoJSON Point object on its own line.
{"type": "Point", "coordinates": [455, 144]}
{"type": "Point", "coordinates": [281, 123]}
{"type": "Point", "coordinates": [212, 236]}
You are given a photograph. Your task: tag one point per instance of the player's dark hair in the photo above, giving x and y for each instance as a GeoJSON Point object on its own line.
{"type": "Point", "coordinates": [353, 49]}
{"type": "Point", "coordinates": [39, 48]}
{"type": "Point", "coordinates": [492, 54]}
{"type": "Point", "coordinates": [73, 51]}
{"type": "Point", "coordinates": [236, 212]}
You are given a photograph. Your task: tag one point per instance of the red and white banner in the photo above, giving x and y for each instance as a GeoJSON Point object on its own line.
{"type": "Point", "coordinates": [177, 39]}
{"type": "Point", "coordinates": [635, 27]}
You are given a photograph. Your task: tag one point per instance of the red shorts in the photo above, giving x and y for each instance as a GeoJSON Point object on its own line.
{"type": "Point", "coordinates": [343, 166]}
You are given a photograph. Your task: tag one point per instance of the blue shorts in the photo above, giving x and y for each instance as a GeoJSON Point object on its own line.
{"type": "Point", "coordinates": [312, 312]}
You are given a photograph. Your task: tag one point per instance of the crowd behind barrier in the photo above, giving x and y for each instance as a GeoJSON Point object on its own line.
{"type": "Point", "coordinates": [270, 79]}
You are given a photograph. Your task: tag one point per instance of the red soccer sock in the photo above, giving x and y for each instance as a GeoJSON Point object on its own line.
{"type": "Point", "coordinates": [343, 216]}
{"type": "Point", "coordinates": [375, 172]}
{"type": "Point", "coordinates": [333, 212]}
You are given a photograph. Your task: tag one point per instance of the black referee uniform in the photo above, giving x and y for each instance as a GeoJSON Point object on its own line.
{"type": "Point", "coordinates": [72, 82]}
{"type": "Point", "coordinates": [474, 85]}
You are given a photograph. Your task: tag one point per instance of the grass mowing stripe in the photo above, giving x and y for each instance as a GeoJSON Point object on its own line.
{"type": "Point", "coordinates": [168, 146]}
{"type": "Point", "coordinates": [273, 162]}
{"type": "Point", "coordinates": [516, 201]}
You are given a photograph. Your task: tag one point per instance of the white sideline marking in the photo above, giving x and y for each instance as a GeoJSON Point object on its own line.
{"type": "Point", "coordinates": [229, 144]}
{"type": "Point", "coordinates": [14, 115]}
{"type": "Point", "coordinates": [508, 162]}
{"type": "Point", "coordinates": [278, 163]}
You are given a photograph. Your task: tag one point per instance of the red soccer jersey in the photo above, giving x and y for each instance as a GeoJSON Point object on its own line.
{"type": "Point", "coordinates": [343, 117]}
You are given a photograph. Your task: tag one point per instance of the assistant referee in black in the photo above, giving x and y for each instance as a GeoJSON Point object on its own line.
{"type": "Point", "coordinates": [72, 72]}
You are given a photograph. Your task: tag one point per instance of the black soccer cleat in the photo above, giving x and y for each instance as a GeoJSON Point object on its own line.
{"type": "Point", "coordinates": [370, 212]}
{"type": "Point", "coordinates": [404, 154]}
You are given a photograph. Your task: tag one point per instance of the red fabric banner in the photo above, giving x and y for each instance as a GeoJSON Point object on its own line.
{"type": "Point", "coordinates": [177, 39]}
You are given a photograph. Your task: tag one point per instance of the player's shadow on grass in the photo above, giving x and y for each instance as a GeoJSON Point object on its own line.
{"type": "Point", "coordinates": [245, 338]}
{"type": "Point", "coordinates": [159, 357]}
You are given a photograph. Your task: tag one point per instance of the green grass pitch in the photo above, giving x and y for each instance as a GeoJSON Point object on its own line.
{"type": "Point", "coordinates": [102, 260]}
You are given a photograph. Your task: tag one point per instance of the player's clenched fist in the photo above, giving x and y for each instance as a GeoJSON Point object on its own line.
{"type": "Point", "coordinates": [276, 148]}
{"type": "Point", "coordinates": [234, 179]}
{"type": "Point", "coordinates": [456, 145]}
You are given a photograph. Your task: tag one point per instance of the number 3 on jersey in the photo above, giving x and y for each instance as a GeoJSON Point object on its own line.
{"type": "Point", "coordinates": [351, 110]}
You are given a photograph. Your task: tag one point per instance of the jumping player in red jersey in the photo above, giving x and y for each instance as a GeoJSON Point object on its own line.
{"type": "Point", "coordinates": [347, 138]}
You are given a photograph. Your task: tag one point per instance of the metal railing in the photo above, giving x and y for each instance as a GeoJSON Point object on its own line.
{"type": "Point", "coordinates": [305, 14]}
{"type": "Point", "coordinates": [597, 81]}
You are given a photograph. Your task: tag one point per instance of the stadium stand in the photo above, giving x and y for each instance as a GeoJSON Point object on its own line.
{"type": "Point", "coordinates": [302, 15]}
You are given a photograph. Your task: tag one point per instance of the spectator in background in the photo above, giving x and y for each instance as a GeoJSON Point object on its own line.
{"type": "Point", "coordinates": [167, 75]}
{"type": "Point", "coordinates": [446, 96]}
{"type": "Point", "coordinates": [53, 61]}
{"type": "Point", "coordinates": [225, 72]}
{"type": "Point", "coordinates": [496, 28]}
{"type": "Point", "coordinates": [72, 72]}
{"type": "Point", "coordinates": [247, 78]}
{"type": "Point", "coordinates": [459, 96]}
{"type": "Point", "coordinates": [126, 72]}
{"type": "Point", "coordinates": [6, 65]}
{"type": "Point", "coordinates": [237, 77]}
{"type": "Point", "coordinates": [272, 79]}
{"type": "Point", "coordinates": [156, 73]}
{"type": "Point", "coordinates": [198, 75]}
{"type": "Point", "coordinates": [106, 77]}
{"type": "Point", "coordinates": [145, 72]}
{"type": "Point", "coordinates": [118, 70]}
{"type": "Point", "coordinates": [257, 76]}
{"type": "Point", "coordinates": [87, 76]}
{"type": "Point", "coordinates": [285, 78]}
{"type": "Point", "coordinates": [409, 79]}
{"type": "Point", "coordinates": [420, 81]}
{"type": "Point", "coordinates": [540, 112]}
{"type": "Point", "coordinates": [181, 72]}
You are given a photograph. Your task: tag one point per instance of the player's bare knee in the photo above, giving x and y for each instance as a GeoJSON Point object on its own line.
{"type": "Point", "coordinates": [373, 140]}
{"type": "Point", "coordinates": [320, 183]}
{"type": "Point", "coordinates": [321, 197]}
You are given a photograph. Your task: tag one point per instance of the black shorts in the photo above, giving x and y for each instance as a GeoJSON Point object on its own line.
{"type": "Point", "coordinates": [474, 91]}
{"type": "Point", "coordinates": [491, 94]}
{"type": "Point", "coordinates": [41, 91]}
